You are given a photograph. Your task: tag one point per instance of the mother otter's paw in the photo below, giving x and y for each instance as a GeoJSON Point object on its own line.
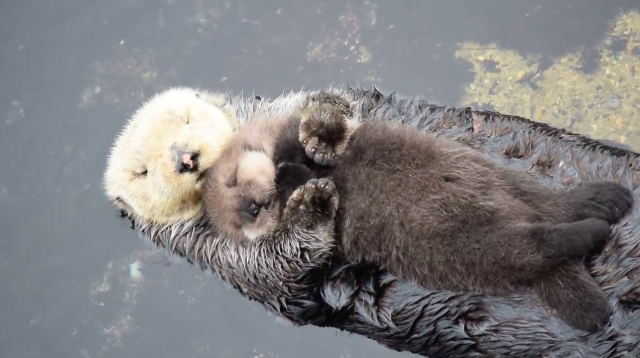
{"type": "Point", "coordinates": [312, 204]}
{"type": "Point", "coordinates": [606, 201]}
{"type": "Point", "coordinates": [325, 128]}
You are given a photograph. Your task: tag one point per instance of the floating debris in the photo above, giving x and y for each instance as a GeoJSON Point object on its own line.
{"type": "Point", "coordinates": [135, 273]}
{"type": "Point", "coordinates": [123, 80]}
{"type": "Point", "coordinates": [613, 102]}
{"type": "Point", "coordinates": [342, 43]}
{"type": "Point", "coordinates": [603, 102]}
{"type": "Point", "coordinates": [15, 113]}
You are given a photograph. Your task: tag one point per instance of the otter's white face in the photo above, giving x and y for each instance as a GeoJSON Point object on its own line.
{"type": "Point", "coordinates": [155, 167]}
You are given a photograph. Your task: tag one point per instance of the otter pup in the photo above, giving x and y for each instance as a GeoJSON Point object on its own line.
{"type": "Point", "coordinates": [154, 176]}
{"type": "Point", "coordinates": [430, 210]}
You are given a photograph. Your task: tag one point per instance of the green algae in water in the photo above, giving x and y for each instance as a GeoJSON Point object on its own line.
{"type": "Point", "coordinates": [604, 104]}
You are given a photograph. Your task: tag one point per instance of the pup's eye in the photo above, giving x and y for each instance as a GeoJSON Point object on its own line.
{"type": "Point", "coordinates": [142, 173]}
{"type": "Point", "coordinates": [253, 209]}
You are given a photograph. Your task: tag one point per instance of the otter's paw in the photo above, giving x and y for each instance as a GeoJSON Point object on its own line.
{"type": "Point", "coordinates": [325, 128]}
{"type": "Point", "coordinates": [606, 201]}
{"type": "Point", "coordinates": [314, 203]}
{"type": "Point", "coordinates": [575, 297]}
{"type": "Point", "coordinates": [574, 240]}
{"type": "Point", "coordinates": [590, 236]}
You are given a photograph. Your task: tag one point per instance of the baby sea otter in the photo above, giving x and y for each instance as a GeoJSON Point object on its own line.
{"type": "Point", "coordinates": [430, 210]}
{"type": "Point", "coordinates": [154, 175]}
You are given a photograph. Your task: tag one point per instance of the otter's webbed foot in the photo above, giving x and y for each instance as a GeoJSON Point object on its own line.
{"type": "Point", "coordinates": [325, 127]}
{"type": "Point", "coordinates": [313, 205]}
{"type": "Point", "coordinates": [606, 201]}
{"type": "Point", "coordinates": [571, 241]}
{"type": "Point", "coordinates": [575, 297]}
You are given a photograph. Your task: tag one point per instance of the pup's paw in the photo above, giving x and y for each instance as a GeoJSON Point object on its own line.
{"type": "Point", "coordinates": [575, 297]}
{"type": "Point", "coordinates": [574, 240]}
{"type": "Point", "coordinates": [606, 201]}
{"type": "Point", "coordinates": [314, 203]}
{"type": "Point", "coordinates": [325, 128]}
{"type": "Point", "coordinates": [591, 237]}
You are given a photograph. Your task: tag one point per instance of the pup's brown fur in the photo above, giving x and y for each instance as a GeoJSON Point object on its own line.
{"type": "Point", "coordinates": [239, 193]}
{"type": "Point", "coordinates": [430, 210]}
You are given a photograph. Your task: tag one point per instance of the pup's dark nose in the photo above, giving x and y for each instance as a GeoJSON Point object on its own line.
{"type": "Point", "coordinates": [187, 162]}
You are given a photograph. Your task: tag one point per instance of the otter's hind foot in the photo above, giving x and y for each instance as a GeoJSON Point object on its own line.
{"type": "Point", "coordinates": [575, 297]}
{"type": "Point", "coordinates": [606, 201]}
{"type": "Point", "coordinates": [571, 241]}
{"type": "Point", "coordinates": [313, 204]}
{"type": "Point", "coordinates": [325, 128]}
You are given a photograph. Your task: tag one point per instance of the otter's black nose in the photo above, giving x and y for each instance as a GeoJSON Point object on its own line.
{"type": "Point", "coordinates": [187, 162]}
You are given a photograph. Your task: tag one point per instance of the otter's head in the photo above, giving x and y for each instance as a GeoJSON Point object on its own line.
{"type": "Point", "coordinates": [240, 194]}
{"type": "Point", "coordinates": [155, 168]}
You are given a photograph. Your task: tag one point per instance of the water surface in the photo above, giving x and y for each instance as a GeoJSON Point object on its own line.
{"type": "Point", "coordinates": [73, 71]}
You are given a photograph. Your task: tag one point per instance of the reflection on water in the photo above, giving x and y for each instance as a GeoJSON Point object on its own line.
{"type": "Point", "coordinates": [76, 282]}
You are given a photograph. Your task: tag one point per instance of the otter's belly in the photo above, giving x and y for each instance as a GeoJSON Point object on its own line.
{"type": "Point", "coordinates": [398, 211]}
{"type": "Point", "coordinates": [381, 211]}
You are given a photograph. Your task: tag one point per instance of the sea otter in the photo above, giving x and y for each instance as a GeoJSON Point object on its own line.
{"type": "Point", "coordinates": [368, 301]}
{"type": "Point", "coordinates": [160, 177]}
{"type": "Point", "coordinates": [427, 209]}
{"type": "Point", "coordinates": [154, 176]}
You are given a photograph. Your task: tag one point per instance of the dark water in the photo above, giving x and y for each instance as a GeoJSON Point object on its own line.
{"type": "Point", "coordinates": [73, 70]}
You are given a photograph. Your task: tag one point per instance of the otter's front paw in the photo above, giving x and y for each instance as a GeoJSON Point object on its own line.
{"type": "Point", "coordinates": [606, 201]}
{"type": "Point", "coordinates": [325, 128]}
{"type": "Point", "coordinates": [314, 203]}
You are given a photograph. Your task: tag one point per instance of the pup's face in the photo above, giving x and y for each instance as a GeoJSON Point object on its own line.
{"type": "Point", "coordinates": [241, 195]}
{"type": "Point", "coordinates": [156, 165]}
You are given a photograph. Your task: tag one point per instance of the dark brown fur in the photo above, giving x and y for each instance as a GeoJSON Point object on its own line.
{"type": "Point", "coordinates": [246, 207]}
{"type": "Point", "coordinates": [433, 211]}
{"type": "Point", "coordinates": [374, 303]}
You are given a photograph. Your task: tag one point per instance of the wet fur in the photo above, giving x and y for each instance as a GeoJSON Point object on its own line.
{"type": "Point", "coordinates": [365, 300]}
{"type": "Point", "coordinates": [429, 210]}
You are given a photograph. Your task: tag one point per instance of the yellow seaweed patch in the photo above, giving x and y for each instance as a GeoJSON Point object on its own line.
{"type": "Point", "coordinates": [603, 104]}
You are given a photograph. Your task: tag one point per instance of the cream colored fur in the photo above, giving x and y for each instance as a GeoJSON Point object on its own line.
{"type": "Point", "coordinates": [175, 118]}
